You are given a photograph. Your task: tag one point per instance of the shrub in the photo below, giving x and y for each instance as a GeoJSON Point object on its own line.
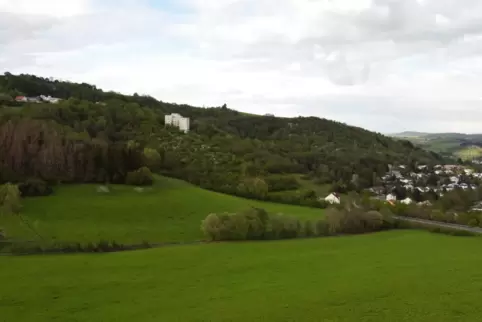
{"type": "Point", "coordinates": [211, 227]}
{"type": "Point", "coordinates": [291, 228]}
{"type": "Point", "coordinates": [387, 217]}
{"type": "Point", "coordinates": [354, 221]}
{"type": "Point", "coordinates": [473, 222]}
{"type": "Point", "coordinates": [254, 224]}
{"type": "Point", "coordinates": [256, 220]}
{"type": "Point", "coordinates": [334, 218]}
{"type": "Point", "coordinates": [9, 199]}
{"type": "Point", "coordinates": [274, 227]}
{"type": "Point", "coordinates": [372, 220]}
{"type": "Point", "coordinates": [309, 229]}
{"type": "Point", "coordinates": [35, 188]}
{"type": "Point", "coordinates": [322, 228]}
{"type": "Point", "coordinates": [3, 234]}
{"type": "Point", "coordinates": [141, 177]}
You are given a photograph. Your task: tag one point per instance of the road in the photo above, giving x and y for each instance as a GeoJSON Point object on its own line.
{"type": "Point", "coordinates": [476, 230]}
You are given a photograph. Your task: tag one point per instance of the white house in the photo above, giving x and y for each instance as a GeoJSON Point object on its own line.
{"type": "Point", "coordinates": [391, 197]}
{"type": "Point", "coordinates": [468, 171]}
{"type": "Point", "coordinates": [407, 201]}
{"type": "Point", "coordinates": [333, 198]}
{"type": "Point", "coordinates": [454, 179]}
{"type": "Point", "coordinates": [178, 121]}
{"type": "Point", "coordinates": [408, 187]}
{"type": "Point", "coordinates": [50, 99]}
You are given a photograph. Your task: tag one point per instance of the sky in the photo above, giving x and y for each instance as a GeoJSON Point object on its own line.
{"type": "Point", "coordinates": [385, 65]}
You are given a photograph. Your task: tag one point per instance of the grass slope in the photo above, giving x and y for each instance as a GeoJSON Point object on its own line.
{"type": "Point", "coordinates": [171, 211]}
{"type": "Point", "coordinates": [392, 276]}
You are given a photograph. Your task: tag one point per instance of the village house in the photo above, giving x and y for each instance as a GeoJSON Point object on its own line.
{"type": "Point", "coordinates": [38, 99]}
{"type": "Point", "coordinates": [407, 201]}
{"type": "Point", "coordinates": [50, 99]}
{"type": "Point", "coordinates": [333, 198]}
{"type": "Point", "coordinates": [178, 121]}
{"type": "Point", "coordinates": [391, 197]}
{"type": "Point", "coordinates": [21, 99]}
{"type": "Point", "coordinates": [454, 179]}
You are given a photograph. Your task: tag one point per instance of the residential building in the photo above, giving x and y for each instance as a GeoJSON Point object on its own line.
{"type": "Point", "coordinates": [50, 99]}
{"type": "Point", "coordinates": [454, 179]}
{"type": "Point", "coordinates": [391, 197]}
{"type": "Point", "coordinates": [333, 198]}
{"type": "Point", "coordinates": [178, 121]}
{"type": "Point", "coordinates": [21, 99]}
{"type": "Point", "coordinates": [468, 171]}
{"type": "Point", "coordinates": [407, 201]}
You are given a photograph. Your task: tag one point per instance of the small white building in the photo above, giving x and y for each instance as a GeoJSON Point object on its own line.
{"type": "Point", "coordinates": [454, 179]}
{"type": "Point", "coordinates": [407, 201]}
{"type": "Point", "coordinates": [409, 187]}
{"type": "Point", "coordinates": [391, 197]}
{"type": "Point", "coordinates": [468, 171]}
{"type": "Point", "coordinates": [50, 99]}
{"type": "Point", "coordinates": [333, 198]}
{"type": "Point", "coordinates": [178, 121]}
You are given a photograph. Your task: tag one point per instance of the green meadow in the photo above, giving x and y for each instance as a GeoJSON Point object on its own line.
{"type": "Point", "coordinates": [169, 211]}
{"type": "Point", "coordinates": [390, 276]}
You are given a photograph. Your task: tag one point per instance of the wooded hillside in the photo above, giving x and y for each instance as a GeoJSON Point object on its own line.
{"type": "Point", "coordinates": [94, 136]}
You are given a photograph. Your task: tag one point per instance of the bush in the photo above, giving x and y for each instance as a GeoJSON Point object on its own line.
{"type": "Point", "coordinates": [141, 177]}
{"type": "Point", "coordinates": [473, 222]}
{"type": "Point", "coordinates": [387, 217]}
{"type": "Point", "coordinates": [254, 224]}
{"type": "Point", "coordinates": [9, 199]}
{"type": "Point", "coordinates": [3, 234]}
{"type": "Point", "coordinates": [372, 220]}
{"type": "Point", "coordinates": [34, 188]}
{"type": "Point", "coordinates": [281, 183]}
{"type": "Point", "coordinates": [354, 221]}
{"type": "Point", "coordinates": [309, 229]}
{"type": "Point", "coordinates": [211, 227]}
{"type": "Point", "coordinates": [322, 228]}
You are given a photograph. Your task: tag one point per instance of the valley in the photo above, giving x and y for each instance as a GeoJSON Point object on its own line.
{"type": "Point", "coordinates": [263, 218]}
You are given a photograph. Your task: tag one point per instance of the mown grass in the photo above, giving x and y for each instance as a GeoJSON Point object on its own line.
{"type": "Point", "coordinates": [170, 211]}
{"type": "Point", "coordinates": [391, 276]}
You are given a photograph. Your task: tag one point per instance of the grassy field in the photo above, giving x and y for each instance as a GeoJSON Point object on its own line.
{"type": "Point", "coordinates": [171, 211]}
{"type": "Point", "coordinates": [391, 276]}
{"type": "Point", "coordinates": [469, 153]}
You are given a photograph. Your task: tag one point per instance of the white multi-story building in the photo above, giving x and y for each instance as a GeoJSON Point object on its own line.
{"type": "Point", "coordinates": [178, 121]}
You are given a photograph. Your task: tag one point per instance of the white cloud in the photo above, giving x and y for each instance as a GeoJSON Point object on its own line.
{"type": "Point", "coordinates": [386, 65]}
{"type": "Point", "coordinates": [56, 8]}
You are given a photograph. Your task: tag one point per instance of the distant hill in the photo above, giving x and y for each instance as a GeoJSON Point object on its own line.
{"type": "Point", "coordinates": [460, 145]}
{"type": "Point", "coordinates": [408, 134]}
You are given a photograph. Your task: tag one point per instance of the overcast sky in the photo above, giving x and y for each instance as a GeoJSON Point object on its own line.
{"type": "Point", "coordinates": [386, 65]}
